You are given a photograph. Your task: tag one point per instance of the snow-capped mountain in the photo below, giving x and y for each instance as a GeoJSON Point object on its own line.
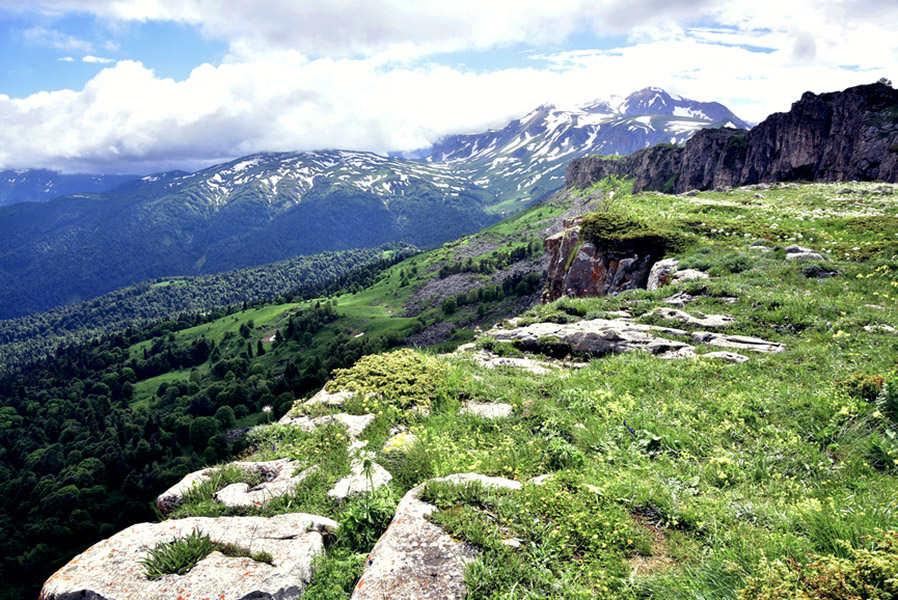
{"type": "Point", "coordinates": [283, 179]}
{"type": "Point", "coordinates": [526, 159]}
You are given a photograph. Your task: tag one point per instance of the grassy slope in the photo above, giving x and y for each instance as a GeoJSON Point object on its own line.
{"type": "Point", "coordinates": [678, 478]}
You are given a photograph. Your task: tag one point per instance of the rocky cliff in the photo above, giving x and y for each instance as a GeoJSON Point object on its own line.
{"type": "Point", "coordinates": [839, 136]}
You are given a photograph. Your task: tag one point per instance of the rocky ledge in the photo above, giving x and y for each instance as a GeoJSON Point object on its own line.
{"type": "Point", "coordinates": [112, 569]}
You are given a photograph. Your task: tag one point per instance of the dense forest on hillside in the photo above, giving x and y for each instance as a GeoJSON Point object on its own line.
{"type": "Point", "coordinates": [84, 450]}
{"type": "Point", "coordinates": [32, 337]}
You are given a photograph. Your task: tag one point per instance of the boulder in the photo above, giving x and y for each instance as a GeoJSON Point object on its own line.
{"type": "Point", "coordinates": [280, 478]}
{"type": "Point", "coordinates": [329, 398]}
{"type": "Point", "coordinates": [689, 274]}
{"type": "Point", "coordinates": [661, 273]}
{"type": "Point", "coordinates": [416, 560]}
{"type": "Point", "coordinates": [487, 410]}
{"type": "Point", "coordinates": [713, 321]}
{"type": "Point", "coordinates": [595, 336]}
{"type": "Point", "coordinates": [739, 342]}
{"type": "Point", "coordinates": [796, 252]}
{"type": "Point", "coordinates": [111, 569]}
{"type": "Point", "coordinates": [357, 482]}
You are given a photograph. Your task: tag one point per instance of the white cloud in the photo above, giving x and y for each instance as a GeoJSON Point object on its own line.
{"type": "Point", "coordinates": [97, 60]}
{"type": "Point", "coordinates": [66, 59]}
{"type": "Point", "coordinates": [55, 39]}
{"type": "Point", "coordinates": [352, 74]}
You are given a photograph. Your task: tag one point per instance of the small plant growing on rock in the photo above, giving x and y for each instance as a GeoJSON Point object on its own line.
{"type": "Point", "coordinates": [178, 556]}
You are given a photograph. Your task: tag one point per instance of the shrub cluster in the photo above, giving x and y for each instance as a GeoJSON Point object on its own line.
{"type": "Point", "coordinates": [621, 232]}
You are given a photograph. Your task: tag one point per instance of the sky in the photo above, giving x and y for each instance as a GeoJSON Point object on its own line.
{"type": "Point", "coordinates": [141, 86]}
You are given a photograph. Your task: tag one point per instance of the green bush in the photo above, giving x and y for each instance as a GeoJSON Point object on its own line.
{"type": "Point", "coordinates": [403, 378]}
{"type": "Point", "coordinates": [365, 519]}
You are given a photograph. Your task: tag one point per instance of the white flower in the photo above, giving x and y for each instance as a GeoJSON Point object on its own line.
{"type": "Point", "coordinates": [267, 408]}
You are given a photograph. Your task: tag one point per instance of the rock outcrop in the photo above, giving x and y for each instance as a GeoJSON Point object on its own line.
{"type": "Point", "coordinates": [840, 136]}
{"type": "Point", "coordinates": [111, 569]}
{"type": "Point", "coordinates": [416, 560]}
{"type": "Point", "coordinates": [577, 268]}
{"type": "Point", "coordinates": [595, 337]}
{"type": "Point", "coordinates": [279, 478]}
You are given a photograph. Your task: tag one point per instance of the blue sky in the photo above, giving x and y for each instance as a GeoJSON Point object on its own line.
{"type": "Point", "coordinates": [145, 85]}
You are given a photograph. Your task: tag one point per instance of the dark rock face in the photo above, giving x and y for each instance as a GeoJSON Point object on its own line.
{"type": "Point", "coordinates": [840, 136]}
{"type": "Point", "coordinates": [578, 269]}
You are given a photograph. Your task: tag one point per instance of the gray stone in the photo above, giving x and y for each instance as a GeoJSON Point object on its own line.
{"type": "Point", "coordinates": [713, 321]}
{"type": "Point", "coordinates": [689, 274]}
{"type": "Point", "coordinates": [596, 336]}
{"type": "Point", "coordinates": [680, 299]}
{"type": "Point", "coordinates": [354, 424]}
{"type": "Point", "coordinates": [796, 249]}
{"type": "Point", "coordinates": [487, 410]}
{"type": "Point", "coordinates": [111, 569]}
{"type": "Point", "coordinates": [727, 356]}
{"type": "Point", "coordinates": [357, 482]}
{"type": "Point", "coordinates": [739, 342]}
{"type": "Point", "coordinates": [661, 273]}
{"type": "Point", "coordinates": [491, 361]}
{"type": "Point", "coordinates": [241, 494]}
{"type": "Point", "coordinates": [329, 398]}
{"type": "Point", "coordinates": [805, 256]}
{"type": "Point", "coordinates": [280, 478]}
{"type": "Point", "coordinates": [879, 329]}
{"type": "Point", "coordinates": [416, 560]}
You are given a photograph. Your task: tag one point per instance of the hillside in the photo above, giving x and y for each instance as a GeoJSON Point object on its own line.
{"type": "Point", "coordinates": [40, 185]}
{"type": "Point", "coordinates": [683, 459]}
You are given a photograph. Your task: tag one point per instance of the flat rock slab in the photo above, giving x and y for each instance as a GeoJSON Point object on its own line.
{"type": "Point", "coordinates": [416, 560]}
{"type": "Point", "coordinates": [357, 482]}
{"type": "Point", "coordinates": [329, 398]}
{"type": "Point", "coordinates": [354, 424]}
{"type": "Point", "coordinates": [491, 361]}
{"type": "Point", "coordinates": [739, 342]}
{"type": "Point", "coordinates": [713, 321]}
{"type": "Point", "coordinates": [879, 329]}
{"type": "Point", "coordinates": [487, 410]}
{"type": "Point", "coordinates": [111, 569]}
{"type": "Point", "coordinates": [595, 336]}
{"type": "Point", "coordinates": [279, 478]}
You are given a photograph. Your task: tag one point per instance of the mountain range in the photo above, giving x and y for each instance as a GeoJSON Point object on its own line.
{"type": "Point", "coordinates": [271, 206]}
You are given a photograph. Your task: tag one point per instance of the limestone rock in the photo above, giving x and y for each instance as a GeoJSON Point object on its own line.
{"type": "Point", "coordinates": [879, 329]}
{"type": "Point", "coordinates": [111, 569]}
{"type": "Point", "coordinates": [357, 482]}
{"type": "Point", "coordinates": [661, 273]}
{"type": "Point", "coordinates": [491, 361]}
{"type": "Point", "coordinates": [796, 252]}
{"type": "Point", "coordinates": [354, 424]}
{"type": "Point", "coordinates": [680, 299]}
{"type": "Point", "coordinates": [280, 478]}
{"type": "Point", "coordinates": [329, 398]}
{"type": "Point", "coordinates": [689, 274]}
{"type": "Point", "coordinates": [713, 321]}
{"type": "Point", "coordinates": [487, 410]}
{"type": "Point", "coordinates": [739, 342]}
{"type": "Point", "coordinates": [727, 356]}
{"type": "Point", "coordinates": [241, 494]}
{"type": "Point", "coordinates": [596, 336]}
{"type": "Point", "coordinates": [416, 560]}
{"type": "Point", "coordinates": [578, 269]}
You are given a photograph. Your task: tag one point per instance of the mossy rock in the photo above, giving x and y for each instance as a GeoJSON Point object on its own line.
{"type": "Point", "coordinates": [623, 233]}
